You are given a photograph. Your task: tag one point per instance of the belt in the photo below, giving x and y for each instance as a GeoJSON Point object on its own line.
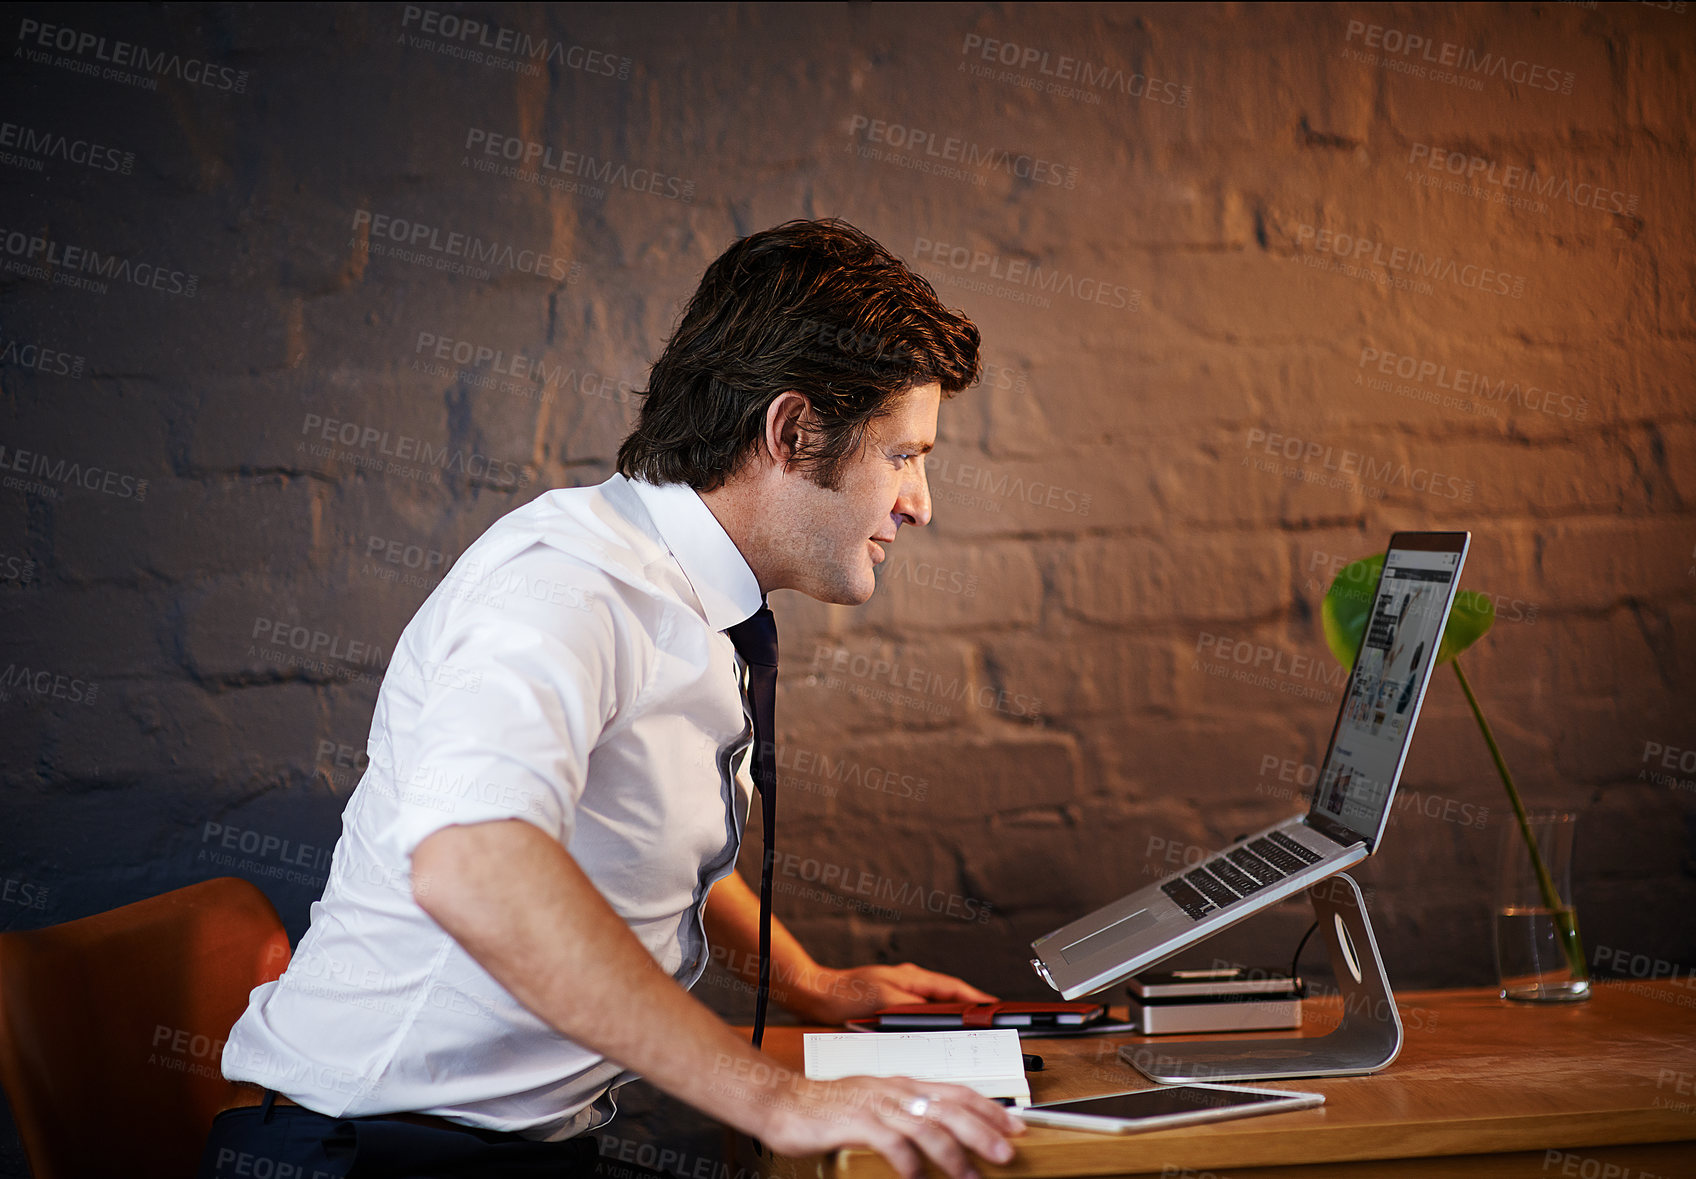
{"type": "Point", "coordinates": [248, 1096]}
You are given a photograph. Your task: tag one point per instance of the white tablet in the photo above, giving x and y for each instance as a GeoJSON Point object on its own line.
{"type": "Point", "coordinates": [1165, 1106]}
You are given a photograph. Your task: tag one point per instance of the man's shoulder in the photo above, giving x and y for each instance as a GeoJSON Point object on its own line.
{"type": "Point", "coordinates": [597, 537]}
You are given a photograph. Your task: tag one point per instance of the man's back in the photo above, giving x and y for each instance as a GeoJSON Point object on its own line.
{"type": "Point", "coordinates": [571, 626]}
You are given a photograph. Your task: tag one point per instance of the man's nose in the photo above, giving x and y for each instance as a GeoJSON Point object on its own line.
{"type": "Point", "coordinates": [913, 505]}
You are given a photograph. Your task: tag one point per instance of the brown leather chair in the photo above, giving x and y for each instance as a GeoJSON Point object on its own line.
{"type": "Point", "coordinates": [111, 1028]}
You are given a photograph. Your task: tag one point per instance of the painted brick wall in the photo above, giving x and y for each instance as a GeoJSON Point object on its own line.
{"type": "Point", "coordinates": [1257, 285]}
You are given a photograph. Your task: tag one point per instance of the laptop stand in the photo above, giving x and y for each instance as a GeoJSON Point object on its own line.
{"type": "Point", "coordinates": [1367, 1040]}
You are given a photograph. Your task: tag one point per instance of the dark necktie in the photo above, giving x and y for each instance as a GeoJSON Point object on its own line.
{"type": "Point", "coordinates": [756, 642]}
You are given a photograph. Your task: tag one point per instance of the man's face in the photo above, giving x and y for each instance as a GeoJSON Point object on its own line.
{"type": "Point", "coordinates": [831, 540]}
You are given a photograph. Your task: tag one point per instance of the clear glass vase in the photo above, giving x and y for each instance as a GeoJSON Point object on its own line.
{"type": "Point", "coordinates": [1539, 957]}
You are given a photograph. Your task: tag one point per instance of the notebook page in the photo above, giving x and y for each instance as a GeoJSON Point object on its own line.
{"type": "Point", "coordinates": [988, 1061]}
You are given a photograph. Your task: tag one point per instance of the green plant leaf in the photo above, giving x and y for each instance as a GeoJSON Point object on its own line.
{"type": "Point", "coordinates": [1348, 605]}
{"type": "Point", "coordinates": [1470, 619]}
{"type": "Point", "coordinates": [1344, 613]}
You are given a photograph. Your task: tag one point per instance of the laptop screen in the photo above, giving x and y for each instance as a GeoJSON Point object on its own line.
{"type": "Point", "coordinates": [1411, 603]}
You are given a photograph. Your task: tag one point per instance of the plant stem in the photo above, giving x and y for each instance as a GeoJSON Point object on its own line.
{"type": "Point", "coordinates": [1565, 920]}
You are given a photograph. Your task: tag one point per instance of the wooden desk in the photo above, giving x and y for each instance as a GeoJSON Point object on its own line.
{"type": "Point", "coordinates": [1604, 1089]}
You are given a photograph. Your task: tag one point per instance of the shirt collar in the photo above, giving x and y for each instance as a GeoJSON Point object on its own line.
{"type": "Point", "coordinates": [726, 587]}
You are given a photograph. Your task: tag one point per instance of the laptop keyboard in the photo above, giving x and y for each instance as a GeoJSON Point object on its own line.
{"type": "Point", "coordinates": [1238, 873]}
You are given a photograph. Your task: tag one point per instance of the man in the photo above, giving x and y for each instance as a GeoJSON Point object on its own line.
{"type": "Point", "coordinates": [546, 836]}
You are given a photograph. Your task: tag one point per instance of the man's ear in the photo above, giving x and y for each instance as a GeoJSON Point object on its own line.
{"type": "Point", "coordinates": [786, 426]}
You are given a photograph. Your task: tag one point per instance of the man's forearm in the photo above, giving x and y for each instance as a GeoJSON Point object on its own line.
{"type": "Point", "coordinates": [732, 918]}
{"type": "Point", "coordinates": [568, 957]}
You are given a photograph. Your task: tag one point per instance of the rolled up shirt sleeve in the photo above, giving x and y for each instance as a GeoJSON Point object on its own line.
{"type": "Point", "coordinates": [516, 685]}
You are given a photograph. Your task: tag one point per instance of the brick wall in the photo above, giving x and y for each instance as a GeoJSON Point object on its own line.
{"type": "Point", "coordinates": [1257, 287]}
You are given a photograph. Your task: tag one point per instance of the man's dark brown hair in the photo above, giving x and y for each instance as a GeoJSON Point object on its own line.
{"type": "Point", "coordinates": [813, 306]}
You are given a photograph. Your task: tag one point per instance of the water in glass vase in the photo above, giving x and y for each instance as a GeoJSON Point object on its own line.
{"type": "Point", "coordinates": [1530, 960]}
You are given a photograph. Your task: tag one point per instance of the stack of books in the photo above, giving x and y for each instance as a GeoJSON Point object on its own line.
{"type": "Point", "coordinates": [1232, 999]}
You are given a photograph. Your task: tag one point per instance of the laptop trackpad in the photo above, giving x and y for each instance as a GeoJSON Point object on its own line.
{"type": "Point", "coordinates": [1084, 947]}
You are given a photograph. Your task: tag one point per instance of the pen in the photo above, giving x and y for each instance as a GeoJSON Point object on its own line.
{"type": "Point", "coordinates": [1033, 1064]}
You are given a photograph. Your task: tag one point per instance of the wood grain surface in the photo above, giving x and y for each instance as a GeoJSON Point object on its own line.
{"type": "Point", "coordinates": [1604, 1089]}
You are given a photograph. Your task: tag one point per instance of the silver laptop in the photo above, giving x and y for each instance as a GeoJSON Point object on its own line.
{"type": "Point", "coordinates": [1351, 797]}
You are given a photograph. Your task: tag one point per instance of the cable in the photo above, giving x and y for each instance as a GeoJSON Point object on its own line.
{"type": "Point", "coordinates": [1296, 980]}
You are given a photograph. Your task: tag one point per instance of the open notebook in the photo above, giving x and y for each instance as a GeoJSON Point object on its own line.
{"type": "Point", "coordinates": [987, 1061]}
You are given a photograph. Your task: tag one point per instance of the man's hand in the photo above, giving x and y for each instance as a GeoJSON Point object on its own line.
{"type": "Point", "coordinates": [523, 908]}
{"type": "Point", "coordinates": [817, 993]}
{"type": "Point", "coordinates": [905, 1121]}
{"type": "Point", "coordinates": [841, 995]}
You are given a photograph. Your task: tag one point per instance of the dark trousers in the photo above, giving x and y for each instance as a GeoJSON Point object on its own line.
{"type": "Point", "coordinates": [289, 1142]}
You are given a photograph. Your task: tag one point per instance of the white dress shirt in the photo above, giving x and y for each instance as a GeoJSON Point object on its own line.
{"type": "Point", "coordinates": [569, 671]}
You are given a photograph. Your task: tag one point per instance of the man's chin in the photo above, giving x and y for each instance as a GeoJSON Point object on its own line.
{"type": "Point", "coordinates": [847, 592]}
{"type": "Point", "coordinates": [849, 597]}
